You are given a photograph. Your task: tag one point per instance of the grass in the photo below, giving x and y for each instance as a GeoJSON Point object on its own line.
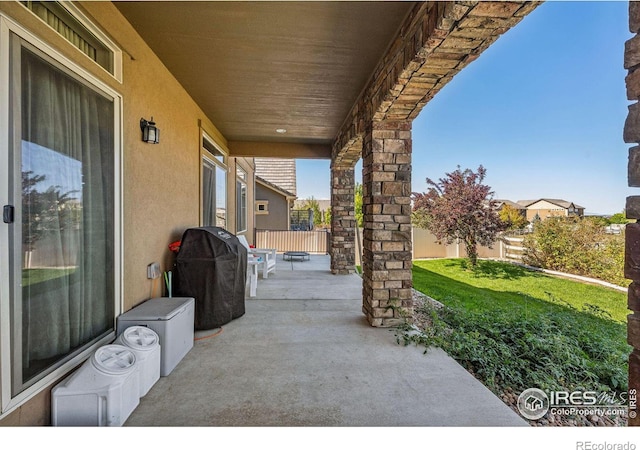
{"type": "Point", "coordinates": [34, 276]}
{"type": "Point", "coordinates": [497, 285]}
{"type": "Point", "coordinates": [515, 329]}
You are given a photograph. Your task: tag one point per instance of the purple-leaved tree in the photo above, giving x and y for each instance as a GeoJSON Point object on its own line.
{"type": "Point", "coordinates": [460, 207]}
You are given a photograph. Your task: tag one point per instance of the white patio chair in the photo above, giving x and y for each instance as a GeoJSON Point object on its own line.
{"type": "Point", "coordinates": [268, 256]}
{"type": "Point", "coordinates": [252, 270]}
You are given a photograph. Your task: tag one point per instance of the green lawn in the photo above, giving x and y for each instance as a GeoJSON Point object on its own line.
{"type": "Point", "coordinates": [497, 285]}
{"type": "Point", "coordinates": [34, 276]}
{"type": "Point", "coordinates": [515, 329]}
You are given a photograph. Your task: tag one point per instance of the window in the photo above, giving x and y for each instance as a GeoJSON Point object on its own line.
{"type": "Point", "coordinates": [61, 156]}
{"type": "Point", "coordinates": [213, 150]}
{"type": "Point", "coordinates": [70, 23]}
{"type": "Point", "coordinates": [214, 185]}
{"type": "Point", "coordinates": [241, 200]}
{"type": "Point", "coordinates": [262, 207]}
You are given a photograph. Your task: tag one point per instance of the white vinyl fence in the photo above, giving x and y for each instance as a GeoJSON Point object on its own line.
{"type": "Point", "coordinates": [316, 241]}
{"type": "Point", "coordinates": [425, 246]}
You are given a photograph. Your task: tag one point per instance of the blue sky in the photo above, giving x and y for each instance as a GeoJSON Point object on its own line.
{"type": "Point", "coordinates": [59, 170]}
{"type": "Point", "coordinates": [542, 110]}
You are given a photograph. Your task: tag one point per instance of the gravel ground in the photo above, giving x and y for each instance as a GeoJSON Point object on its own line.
{"type": "Point", "coordinates": [511, 398]}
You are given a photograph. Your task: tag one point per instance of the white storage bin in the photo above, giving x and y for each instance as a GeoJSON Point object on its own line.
{"type": "Point", "coordinates": [104, 391]}
{"type": "Point", "coordinates": [173, 318]}
{"type": "Point", "coordinates": [145, 344]}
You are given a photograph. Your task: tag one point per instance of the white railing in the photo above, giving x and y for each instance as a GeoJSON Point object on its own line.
{"type": "Point", "coordinates": [513, 247]}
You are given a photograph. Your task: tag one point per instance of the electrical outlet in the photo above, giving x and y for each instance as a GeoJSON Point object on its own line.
{"type": "Point", "coordinates": [153, 271]}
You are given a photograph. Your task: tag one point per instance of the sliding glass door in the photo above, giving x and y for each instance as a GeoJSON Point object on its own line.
{"type": "Point", "coordinates": [62, 188]}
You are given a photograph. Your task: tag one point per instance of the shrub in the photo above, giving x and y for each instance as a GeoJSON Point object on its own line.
{"type": "Point", "coordinates": [505, 349]}
{"type": "Point", "coordinates": [576, 246]}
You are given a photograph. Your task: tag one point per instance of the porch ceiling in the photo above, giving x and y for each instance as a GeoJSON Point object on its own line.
{"type": "Point", "coordinates": [255, 67]}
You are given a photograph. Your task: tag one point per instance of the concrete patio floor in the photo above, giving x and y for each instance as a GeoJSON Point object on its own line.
{"type": "Point", "coordinates": [304, 355]}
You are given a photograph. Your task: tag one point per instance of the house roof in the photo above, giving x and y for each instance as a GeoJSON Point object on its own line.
{"type": "Point", "coordinates": [274, 187]}
{"type": "Point", "coordinates": [559, 202]}
{"type": "Point", "coordinates": [278, 171]}
{"type": "Point", "coordinates": [514, 205]}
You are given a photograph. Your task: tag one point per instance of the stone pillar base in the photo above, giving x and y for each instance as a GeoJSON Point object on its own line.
{"type": "Point", "coordinates": [386, 175]}
{"type": "Point", "coordinates": [343, 221]}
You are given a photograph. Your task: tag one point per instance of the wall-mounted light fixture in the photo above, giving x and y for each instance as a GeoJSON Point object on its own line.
{"type": "Point", "coordinates": [150, 133]}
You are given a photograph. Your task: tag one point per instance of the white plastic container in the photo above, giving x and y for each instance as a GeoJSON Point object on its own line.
{"type": "Point", "coordinates": [173, 318]}
{"type": "Point", "coordinates": [145, 344]}
{"type": "Point", "coordinates": [104, 391]}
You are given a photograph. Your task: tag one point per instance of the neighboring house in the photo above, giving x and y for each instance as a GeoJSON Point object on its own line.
{"type": "Point", "coordinates": [544, 208]}
{"type": "Point", "coordinates": [502, 203]}
{"type": "Point", "coordinates": [280, 172]}
{"type": "Point", "coordinates": [273, 206]}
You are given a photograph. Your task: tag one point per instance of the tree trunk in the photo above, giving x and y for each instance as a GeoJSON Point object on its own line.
{"type": "Point", "coordinates": [472, 251]}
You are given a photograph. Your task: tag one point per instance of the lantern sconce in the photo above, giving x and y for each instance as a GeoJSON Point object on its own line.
{"type": "Point", "coordinates": [150, 133]}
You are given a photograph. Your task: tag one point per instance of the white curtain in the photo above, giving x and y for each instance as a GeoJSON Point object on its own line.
{"type": "Point", "coordinates": [69, 300]}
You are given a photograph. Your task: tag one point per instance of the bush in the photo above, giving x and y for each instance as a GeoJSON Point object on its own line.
{"type": "Point", "coordinates": [577, 246]}
{"type": "Point", "coordinates": [507, 350]}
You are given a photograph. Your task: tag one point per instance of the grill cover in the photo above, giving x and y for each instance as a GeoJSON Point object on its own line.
{"type": "Point", "coordinates": [211, 267]}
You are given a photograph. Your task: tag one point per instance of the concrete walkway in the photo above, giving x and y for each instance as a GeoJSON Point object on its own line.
{"type": "Point", "coordinates": [304, 355]}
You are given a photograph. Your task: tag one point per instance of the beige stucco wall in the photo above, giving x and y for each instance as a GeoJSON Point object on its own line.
{"type": "Point", "coordinates": [545, 213]}
{"type": "Point", "coordinates": [161, 183]}
{"type": "Point", "coordinates": [545, 209]}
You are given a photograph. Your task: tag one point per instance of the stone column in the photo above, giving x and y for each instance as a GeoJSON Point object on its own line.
{"type": "Point", "coordinates": [343, 221]}
{"type": "Point", "coordinates": [632, 247]}
{"type": "Point", "coordinates": [386, 262]}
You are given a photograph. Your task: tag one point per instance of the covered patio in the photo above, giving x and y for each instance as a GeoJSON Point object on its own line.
{"type": "Point", "coordinates": [304, 355]}
{"type": "Point", "coordinates": [329, 80]}
{"type": "Point", "coordinates": [341, 81]}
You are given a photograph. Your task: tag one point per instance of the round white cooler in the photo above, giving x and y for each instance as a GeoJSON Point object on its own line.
{"type": "Point", "coordinates": [145, 343]}
{"type": "Point", "coordinates": [104, 391]}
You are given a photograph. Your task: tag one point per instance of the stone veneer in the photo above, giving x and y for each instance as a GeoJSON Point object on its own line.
{"type": "Point", "coordinates": [631, 135]}
{"type": "Point", "coordinates": [436, 40]}
{"type": "Point", "coordinates": [343, 221]}
{"type": "Point", "coordinates": [386, 261]}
